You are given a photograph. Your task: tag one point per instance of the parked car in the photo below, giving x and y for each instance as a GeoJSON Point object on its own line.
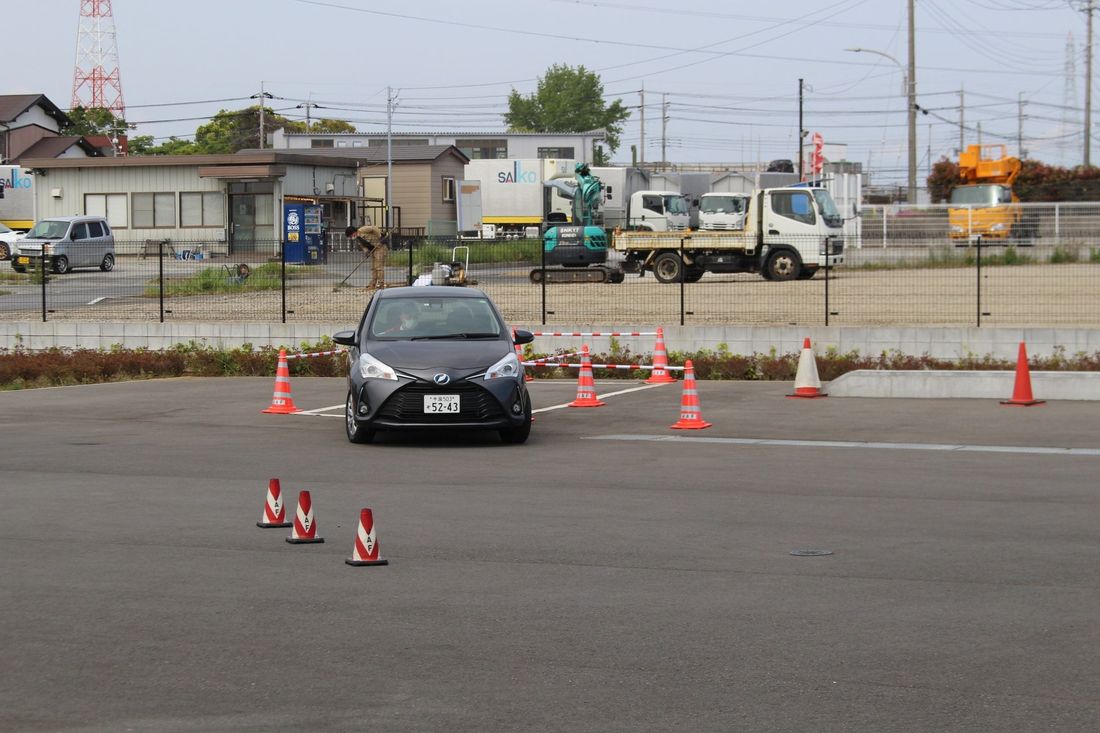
{"type": "Point", "coordinates": [8, 239]}
{"type": "Point", "coordinates": [434, 357]}
{"type": "Point", "coordinates": [68, 242]}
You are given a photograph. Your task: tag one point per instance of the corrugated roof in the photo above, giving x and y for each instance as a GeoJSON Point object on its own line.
{"type": "Point", "coordinates": [502, 133]}
{"type": "Point", "coordinates": [13, 105]}
{"type": "Point", "coordinates": [401, 153]}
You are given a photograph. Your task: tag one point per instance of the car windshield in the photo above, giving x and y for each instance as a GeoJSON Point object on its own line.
{"type": "Point", "coordinates": [4, 229]}
{"type": "Point", "coordinates": [828, 208]}
{"type": "Point", "coordinates": [408, 319]}
{"type": "Point", "coordinates": [982, 195]}
{"type": "Point", "coordinates": [722, 205]}
{"type": "Point", "coordinates": [675, 205]}
{"type": "Point", "coordinates": [48, 230]}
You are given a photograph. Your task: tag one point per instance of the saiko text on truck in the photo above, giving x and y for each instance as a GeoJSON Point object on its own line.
{"type": "Point", "coordinates": [788, 234]}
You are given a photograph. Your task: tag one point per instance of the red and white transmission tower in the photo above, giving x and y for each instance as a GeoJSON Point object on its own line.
{"type": "Point", "coordinates": [96, 80]}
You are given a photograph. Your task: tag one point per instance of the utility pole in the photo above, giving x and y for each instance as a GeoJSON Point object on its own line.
{"type": "Point", "coordinates": [912, 199]}
{"type": "Point", "coordinates": [664, 128]}
{"type": "Point", "coordinates": [1020, 125]}
{"type": "Point", "coordinates": [263, 97]}
{"type": "Point", "coordinates": [962, 122]}
{"type": "Point", "coordinates": [307, 106]}
{"type": "Point", "coordinates": [1088, 85]}
{"type": "Point", "coordinates": [801, 132]}
{"type": "Point", "coordinates": [389, 157]}
{"type": "Point", "coordinates": [641, 148]}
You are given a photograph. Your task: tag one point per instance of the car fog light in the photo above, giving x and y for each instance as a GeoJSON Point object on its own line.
{"type": "Point", "coordinates": [517, 408]}
{"type": "Point", "coordinates": [363, 409]}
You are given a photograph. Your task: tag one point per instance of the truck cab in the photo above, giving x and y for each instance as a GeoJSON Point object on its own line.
{"type": "Point", "coordinates": [723, 212]}
{"type": "Point", "coordinates": [798, 230]}
{"type": "Point", "coordinates": [658, 211]}
{"type": "Point", "coordinates": [985, 204]}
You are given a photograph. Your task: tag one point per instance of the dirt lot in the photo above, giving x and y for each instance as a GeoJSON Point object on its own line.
{"type": "Point", "coordinates": [1024, 295]}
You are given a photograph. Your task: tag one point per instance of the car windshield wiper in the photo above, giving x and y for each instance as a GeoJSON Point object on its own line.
{"type": "Point", "coordinates": [462, 335]}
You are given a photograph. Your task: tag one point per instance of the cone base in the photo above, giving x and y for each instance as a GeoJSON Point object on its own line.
{"type": "Point", "coordinates": [281, 410]}
{"type": "Point", "coordinates": [666, 379]}
{"type": "Point", "coordinates": [283, 525]}
{"type": "Point", "coordinates": [690, 425]}
{"type": "Point", "coordinates": [1022, 403]}
{"type": "Point", "coordinates": [303, 541]}
{"type": "Point", "coordinates": [807, 396]}
{"type": "Point", "coordinates": [592, 403]}
{"type": "Point", "coordinates": [358, 563]}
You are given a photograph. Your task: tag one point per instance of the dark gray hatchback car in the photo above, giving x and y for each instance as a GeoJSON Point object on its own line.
{"type": "Point", "coordinates": [434, 357]}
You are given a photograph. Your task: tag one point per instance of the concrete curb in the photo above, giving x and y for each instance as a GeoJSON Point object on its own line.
{"type": "Point", "coordinates": [963, 384]}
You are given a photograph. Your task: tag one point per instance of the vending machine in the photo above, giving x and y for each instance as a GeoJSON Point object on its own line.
{"type": "Point", "coordinates": [302, 234]}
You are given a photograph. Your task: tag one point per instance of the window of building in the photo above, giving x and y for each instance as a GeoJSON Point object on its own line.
{"type": "Point", "coordinates": [380, 142]}
{"type": "Point", "coordinates": [341, 143]}
{"type": "Point", "coordinates": [202, 209]}
{"type": "Point", "coordinates": [315, 143]}
{"type": "Point", "coordinates": [448, 189]}
{"type": "Point", "coordinates": [483, 149]}
{"type": "Point", "coordinates": [547, 153]}
{"type": "Point", "coordinates": [153, 210]}
{"type": "Point", "coordinates": [111, 206]}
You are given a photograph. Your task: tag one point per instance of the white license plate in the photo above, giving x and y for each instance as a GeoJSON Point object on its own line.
{"type": "Point", "coordinates": [441, 403]}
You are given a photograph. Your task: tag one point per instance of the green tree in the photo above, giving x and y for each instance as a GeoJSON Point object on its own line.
{"type": "Point", "coordinates": [568, 100]}
{"type": "Point", "coordinates": [325, 125]}
{"type": "Point", "coordinates": [94, 121]}
{"type": "Point", "coordinates": [144, 145]}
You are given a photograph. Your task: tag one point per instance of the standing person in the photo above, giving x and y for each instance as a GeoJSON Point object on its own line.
{"type": "Point", "coordinates": [369, 239]}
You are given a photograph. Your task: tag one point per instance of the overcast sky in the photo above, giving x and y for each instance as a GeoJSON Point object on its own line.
{"type": "Point", "coordinates": [728, 69]}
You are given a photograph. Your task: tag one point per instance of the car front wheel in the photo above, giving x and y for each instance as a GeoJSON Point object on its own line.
{"type": "Point", "coordinates": [5, 252]}
{"type": "Point", "coordinates": [356, 432]}
{"type": "Point", "coordinates": [61, 264]}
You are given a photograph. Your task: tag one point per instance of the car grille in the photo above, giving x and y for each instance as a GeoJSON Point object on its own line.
{"type": "Point", "coordinates": [407, 404]}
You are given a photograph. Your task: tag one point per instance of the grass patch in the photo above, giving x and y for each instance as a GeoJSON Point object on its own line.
{"type": "Point", "coordinates": [428, 253]}
{"type": "Point", "coordinates": [15, 278]}
{"type": "Point", "coordinates": [1063, 254]}
{"type": "Point", "coordinates": [949, 257]}
{"type": "Point", "coordinates": [216, 280]}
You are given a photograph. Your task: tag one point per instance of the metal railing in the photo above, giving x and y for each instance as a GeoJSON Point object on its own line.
{"type": "Point", "coordinates": [915, 275]}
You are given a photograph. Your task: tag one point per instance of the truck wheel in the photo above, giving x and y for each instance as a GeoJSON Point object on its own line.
{"type": "Point", "coordinates": [668, 268]}
{"type": "Point", "coordinates": [616, 277]}
{"type": "Point", "coordinates": [783, 264]}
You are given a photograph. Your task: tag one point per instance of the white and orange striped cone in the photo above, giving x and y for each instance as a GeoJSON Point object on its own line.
{"type": "Point", "coordinates": [586, 384]}
{"type": "Point", "coordinates": [691, 417]}
{"type": "Point", "coordinates": [274, 508]}
{"type": "Point", "coordinates": [282, 402]}
{"type": "Point", "coordinates": [304, 529]}
{"type": "Point", "coordinates": [807, 385]}
{"type": "Point", "coordinates": [519, 355]}
{"type": "Point", "coordinates": [365, 551]}
{"type": "Point", "coordinates": [1021, 389]}
{"type": "Point", "coordinates": [660, 373]}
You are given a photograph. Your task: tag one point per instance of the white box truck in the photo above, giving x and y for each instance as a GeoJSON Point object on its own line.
{"type": "Point", "coordinates": [510, 195]}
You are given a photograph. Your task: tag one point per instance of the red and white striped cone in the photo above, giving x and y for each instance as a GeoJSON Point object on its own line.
{"type": "Point", "coordinates": [304, 529]}
{"type": "Point", "coordinates": [807, 385]}
{"type": "Point", "coordinates": [274, 508]}
{"type": "Point", "coordinates": [282, 402]}
{"type": "Point", "coordinates": [365, 551]}
{"type": "Point", "coordinates": [1021, 389]}
{"type": "Point", "coordinates": [586, 384]}
{"type": "Point", "coordinates": [519, 355]}
{"type": "Point", "coordinates": [660, 373]}
{"type": "Point", "coordinates": [691, 417]}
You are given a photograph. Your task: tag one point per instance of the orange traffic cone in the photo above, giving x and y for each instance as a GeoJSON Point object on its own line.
{"type": "Point", "coordinates": [586, 385]}
{"type": "Point", "coordinates": [806, 382]}
{"type": "Point", "coordinates": [519, 355]}
{"type": "Point", "coordinates": [1021, 392]}
{"type": "Point", "coordinates": [660, 373]}
{"type": "Point", "coordinates": [691, 417]}
{"type": "Point", "coordinates": [274, 508]}
{"type": "Point", "coordinates": [282, 402]}
{"type": "Point", "coordinates": [365, 551]}
{"type": "Point", "coordinates": [304, 529]}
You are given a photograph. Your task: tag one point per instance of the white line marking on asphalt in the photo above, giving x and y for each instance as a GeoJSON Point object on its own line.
{"type": "Point", "coordinates": [601, 396]}
{"type": "Point", "coordinates": [320, 410]}
{"type": "Point", "coordinates": [855, 444]}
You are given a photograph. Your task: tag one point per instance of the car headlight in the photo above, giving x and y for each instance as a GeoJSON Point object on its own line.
{"type": "Point", "coordinates": [998, 227]}
{"type": "Point", "coordinates": [957, 229]}
{"type": "Point", "coordinates": [506, 368]}
{"type": "Point", "coordinates": [371, 368]}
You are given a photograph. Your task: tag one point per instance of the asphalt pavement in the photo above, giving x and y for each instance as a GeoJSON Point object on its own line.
{"type": "Point", "coordinates": [610, 575]}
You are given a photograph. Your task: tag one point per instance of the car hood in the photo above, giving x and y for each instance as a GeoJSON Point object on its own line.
{"type": "Point", "coordinates": [454, 354]}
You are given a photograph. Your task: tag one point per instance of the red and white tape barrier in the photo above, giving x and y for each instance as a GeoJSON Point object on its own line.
{"type": "Point", "coordinates": [594, 333]}
{"type": "Point", "coordinates": [318, 353]}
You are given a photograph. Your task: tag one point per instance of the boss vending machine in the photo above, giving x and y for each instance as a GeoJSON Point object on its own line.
{"type": "Point", "coordinates": [302, 234]}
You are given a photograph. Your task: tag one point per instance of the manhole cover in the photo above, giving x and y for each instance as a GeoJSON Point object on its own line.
{"type": "Point", "coordinates": [811, 552]}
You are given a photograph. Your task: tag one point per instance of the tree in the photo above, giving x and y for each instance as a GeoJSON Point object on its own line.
{"type": "Point", "coordinates": [324, 125]}
{"type": "Point", "coordinates": [568, 100]}
{"type": "Point", "coordinates": [94, 121]}
{"type": "Point", "coordinates": [1037, 182]}
{"type": "Point", "coordinates": [143, 145]}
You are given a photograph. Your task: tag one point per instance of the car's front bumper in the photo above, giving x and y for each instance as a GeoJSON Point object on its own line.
{"type": "Point", "coordinates": [388, 405]}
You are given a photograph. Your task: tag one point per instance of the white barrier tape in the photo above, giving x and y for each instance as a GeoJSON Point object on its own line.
{"type": "Point", "coordinates": [550, 359]}
{"type": "Point", "coordinates": [318, 353]}
{"type": "Point", "coordinates": [604, 366]}
{"type": "Point", "coordinates": [595, 333]}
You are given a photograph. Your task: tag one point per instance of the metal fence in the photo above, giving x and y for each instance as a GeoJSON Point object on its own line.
{"type": "Point", "coordinates": [904, 270]}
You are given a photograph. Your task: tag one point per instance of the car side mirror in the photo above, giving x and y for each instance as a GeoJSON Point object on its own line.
{"type": "Point", "coordinates": [524, 337]}
{"type": "Point", "coordinates": [344, 338]}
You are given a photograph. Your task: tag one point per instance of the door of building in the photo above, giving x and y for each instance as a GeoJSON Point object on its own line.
{"type": "Point", "coordinates": [251, 219]}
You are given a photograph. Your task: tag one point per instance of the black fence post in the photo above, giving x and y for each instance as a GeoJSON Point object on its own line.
{"type": "Point", "coordinates": [160, 276]}
{"type": "Point", "coordinates": [42, 272]}
{"type": "Point", "coordinates": [542, 280]}
{"type": "Point", "coordinates": [410, 278]}
{"type": "Point", "coordinates": [979, 270]}
{"type": "Point", "coordinates": [827, 253]}
{"type": "Point", "coordinates": [282, 262]}
{"type": "Point", "coordinates": [683, 280]}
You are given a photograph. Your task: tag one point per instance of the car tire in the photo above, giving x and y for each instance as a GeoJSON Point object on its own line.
{"type": "Point", "coordinates": [108, 263]}
{"type": "Point", "coordinates": [61, 264]}
{"type": "Point", "coordinates": [5, 251]}
{"type": "Point", "coordinates": [517, 436]}
{"type": "Point", "coordinates": [783, 265]}
{"type": "Point", "coordinates": [357, 433]}
{"type": "Point", "coordinates": [668, 267]}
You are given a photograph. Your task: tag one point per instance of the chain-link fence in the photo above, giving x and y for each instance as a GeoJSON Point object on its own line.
{"type": "Point", "coordinates": [906, 269]}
